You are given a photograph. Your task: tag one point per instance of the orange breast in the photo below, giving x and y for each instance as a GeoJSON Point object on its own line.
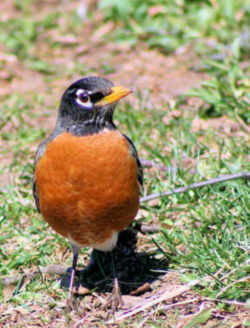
{"type": "Point", "coordinates": [87, 186]}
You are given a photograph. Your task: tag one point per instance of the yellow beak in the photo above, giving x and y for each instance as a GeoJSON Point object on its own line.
{"type": "Point", "coordinates": [116, 94]}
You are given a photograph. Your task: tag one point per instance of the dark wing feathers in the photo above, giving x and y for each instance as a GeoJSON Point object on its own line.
{"type": "Point", "coordinates": [35, 195]}
{"type": "Point", "coordinates": [40, 151]}
{"type": "Point", "coordinates": [135, 155]}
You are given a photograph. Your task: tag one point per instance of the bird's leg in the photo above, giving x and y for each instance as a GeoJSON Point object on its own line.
{"type": "Point", "coordinates": [75, 251]}
{"type": "Point", "coordinates": [115, 299]}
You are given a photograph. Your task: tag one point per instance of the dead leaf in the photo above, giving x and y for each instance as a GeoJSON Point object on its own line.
{"type": "Point", "coordinates": [142, 289]}
{"type": "Point", "coordinates": [81, 290]}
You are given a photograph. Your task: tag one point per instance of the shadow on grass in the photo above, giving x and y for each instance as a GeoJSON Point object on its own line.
{"type": "Point", "coordinates": [132, 268]}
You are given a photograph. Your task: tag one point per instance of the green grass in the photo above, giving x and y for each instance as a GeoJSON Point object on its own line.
{"type": "Point", "coordinates": [227, 92]}
{"type": "Point", "coordinates": [21, 34]}
{"type": "Point", "coordinates": [205, 232]}
{"type": "Point", "coordinates": [172, 24]}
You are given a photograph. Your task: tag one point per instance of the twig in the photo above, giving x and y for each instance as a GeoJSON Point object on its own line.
{"type": "Point", "coordinates": [156, 299]}
{"type": "Point", "coordinates": [223, 290]}
{"type": "Point", "coordinates": [168, 307]}
{"type": "Point", "coordinates": [50, 269]}
{"type": "Point", "coordinates": [197, 185]}
{"type": "Point", "coordinates": [145, 228]}
{"type": "Point", "coordinates": [147, 164]}
{"type": "Point", "coordinates": [242, 304]}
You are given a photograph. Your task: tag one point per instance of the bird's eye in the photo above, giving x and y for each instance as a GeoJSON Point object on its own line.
{"type": "Point", "coordinates": [83, 98]}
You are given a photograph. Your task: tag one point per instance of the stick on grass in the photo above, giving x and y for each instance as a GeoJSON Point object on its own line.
{"type": "Point", "coordinates": [196, 185]}
{"type": "Point", "coordinates": [156, 299]}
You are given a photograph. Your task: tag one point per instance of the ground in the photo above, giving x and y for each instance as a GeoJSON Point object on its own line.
{"type": "Point", "coordinates": [193, 271]}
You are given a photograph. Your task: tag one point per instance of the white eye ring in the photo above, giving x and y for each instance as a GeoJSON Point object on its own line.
{"type": "Point", "coordinates": [83, 99]}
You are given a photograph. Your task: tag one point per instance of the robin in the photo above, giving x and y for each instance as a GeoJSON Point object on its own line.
{"type": "Point", "coordinates": [87, 175]}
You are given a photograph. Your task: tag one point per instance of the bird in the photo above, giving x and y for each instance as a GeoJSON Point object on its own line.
{"type": "Point", "coordinates": [87, 174]}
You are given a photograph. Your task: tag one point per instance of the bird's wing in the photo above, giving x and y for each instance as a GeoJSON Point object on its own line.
{"type": "Point", "coordinates": [40, 151]}
{"type": "Point", "coordinates": [135, 155]}
{"type": "Point", "coordinates": [35, 194]}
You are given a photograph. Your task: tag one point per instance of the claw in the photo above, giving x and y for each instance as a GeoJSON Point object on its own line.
{"type": "Point", "coordinates": [115, 300]}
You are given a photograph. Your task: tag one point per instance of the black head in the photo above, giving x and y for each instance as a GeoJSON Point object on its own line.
{"type": "Point", "coordinates": [89, 103]}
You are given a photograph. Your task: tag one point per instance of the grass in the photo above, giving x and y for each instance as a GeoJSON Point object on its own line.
{"type": "Point", "coordinates": [204, 233]}
{"type": "Point", "coordinates": [169, 26]}
{"type": "Point", "coordinates": [227, 92]}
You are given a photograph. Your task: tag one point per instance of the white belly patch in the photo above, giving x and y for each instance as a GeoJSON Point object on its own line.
{"type": "Point", "coordinates": [106, 246]}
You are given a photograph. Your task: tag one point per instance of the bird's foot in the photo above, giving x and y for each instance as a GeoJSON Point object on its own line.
{"type": "Point", "coordinates": [115, 300]}
{"type": "Point", "coordinates": [70, 303]}
{"type": "Point", "coordinates": [71, 283]}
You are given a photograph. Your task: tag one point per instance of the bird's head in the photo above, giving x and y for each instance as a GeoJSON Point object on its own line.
{"type": "Point", "coordinates": [90, 100]}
